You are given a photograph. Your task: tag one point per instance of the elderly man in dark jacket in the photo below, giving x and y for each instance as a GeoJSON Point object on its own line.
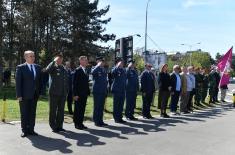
{"type": "Point", "coordinates": [148, 88]}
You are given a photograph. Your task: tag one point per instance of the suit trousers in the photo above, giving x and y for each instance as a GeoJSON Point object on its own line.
{"type": "Point", "coordinates": [163, 100]}
{"type": "Point", "coordinates": [28, 114]}
{"type": "Point", "coordinates": [147, 100]}
{"type": "Point", "coordinates": [70, 102]}
{"type": "Point", "coordinates": [190, 100]}
{"type": "Point", "coordinates": [130, 104]}
{"type": "Point", "coordinates": [79, 110]}
{"type": "Point", "coordinates": [98, 110]}
{"type": "Point", "coordinates": [184, 101]}
{"type": "Point", "coordinates": [118, 103]}
{"type": "Point", "coordinates": [174, 101]}
{"type": "Point", "coordinates": [56, 111]}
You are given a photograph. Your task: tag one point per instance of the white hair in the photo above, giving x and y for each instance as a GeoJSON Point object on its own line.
{"type": "Point", "coordinates": [28, 52]}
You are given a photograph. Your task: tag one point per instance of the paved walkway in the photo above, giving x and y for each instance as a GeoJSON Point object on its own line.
{"type": "Point", "coordinates": [207, 132]}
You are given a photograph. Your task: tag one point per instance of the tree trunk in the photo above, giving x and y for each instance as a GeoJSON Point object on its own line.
{"type": "Point", "coordinates": [1, 42]}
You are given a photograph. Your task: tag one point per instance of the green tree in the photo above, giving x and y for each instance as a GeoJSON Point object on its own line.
{"type": "Point", "coordinates": [198, 59]}
{"type": "Point", "coordinates": [139, 61]}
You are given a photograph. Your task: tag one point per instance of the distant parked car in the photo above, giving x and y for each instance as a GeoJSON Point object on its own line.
{"type": "Point", "coordinates": [232, 80]}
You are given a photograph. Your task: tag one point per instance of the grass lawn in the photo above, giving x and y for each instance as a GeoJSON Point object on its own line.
{"type": "Point", "coordinates": [13, 113]}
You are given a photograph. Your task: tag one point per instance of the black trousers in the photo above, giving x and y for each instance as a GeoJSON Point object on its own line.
{"type": "Point", "coordinates": [147, 100]}
{"type": "Point", "coordinates": [174, 101]}
{"type": "Point", "coordinates": [70, 102]}
{"type": "Point", "coordinates": [28, 114]}
{"type": "Point", "coordinates": [79, 110]}
{"type": "Point", "coordinates": [56, 111]}
{"type": "Point", "coordinates": [163, 100]}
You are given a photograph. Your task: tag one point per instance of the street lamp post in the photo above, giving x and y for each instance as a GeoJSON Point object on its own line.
{"type": "Point", "coordinates": [190, 50]}
{"type": "Point", "coordinates": [146, 26]}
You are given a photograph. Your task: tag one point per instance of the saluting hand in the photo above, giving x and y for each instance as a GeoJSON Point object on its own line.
{"type": "Point", "coordinates": [99, 63]}
{"type": "Point", "coordinates": [56, 59]}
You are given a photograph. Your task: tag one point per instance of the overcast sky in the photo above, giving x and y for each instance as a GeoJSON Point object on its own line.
{"type": "Point", "coordinates": [175, 22]}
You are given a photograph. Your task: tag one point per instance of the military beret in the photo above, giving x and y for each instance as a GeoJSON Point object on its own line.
{"type": "Point", "coordinates": [99, 58]}
{"type": "Point", "coordinates": [58, 54]}
{"type": "Point", "coordinates": [118, 59]}
{"type": "Point", "coordinates": [131, 61]}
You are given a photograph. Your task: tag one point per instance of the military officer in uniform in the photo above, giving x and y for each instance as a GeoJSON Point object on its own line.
{"type": "Point", "coordinates": [58, 90]}
{"type": "Point", "coordinates": [212, 85]}
{"type": "Point", "coordinates": [217, 77]}
{"type": "Point", "coordinates": [118, 90]}
{"type": "Point", "coordinates": [132, 86]}
{"type": "Point", "coordinates": [204, 84]}
{"type": "Point", "coordinates": [147, 87]}
{"type": "Point", "coordinates": [198, 86]}
{"type": "Point", "coordinates": [100, 83]}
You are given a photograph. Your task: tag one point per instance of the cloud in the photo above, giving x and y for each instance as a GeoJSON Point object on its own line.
{"type": "Point", "coordinates": [194, 3]}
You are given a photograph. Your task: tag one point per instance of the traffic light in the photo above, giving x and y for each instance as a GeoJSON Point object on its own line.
{"type": "Point", "coordinates": [124, 48]}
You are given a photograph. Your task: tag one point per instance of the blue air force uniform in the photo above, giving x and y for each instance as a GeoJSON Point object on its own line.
{"type": "Point", "coordinates": [132, 86]}
{"type": "Point", "coordinates": [118, 90]}
{"type": "Point", "coordinates": [99, 93]}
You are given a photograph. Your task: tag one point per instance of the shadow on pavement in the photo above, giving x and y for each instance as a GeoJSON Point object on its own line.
{"type": "Point", "coordinates": [50, 144]}
{"type": "Point", "coordinates": [126, 130]}
{"type": "Point", "coordinates": [145, 126]}
{"type": "Point", "coordinates": [83, 139]}
{"type": "Point", "coordinates": [105, 133]}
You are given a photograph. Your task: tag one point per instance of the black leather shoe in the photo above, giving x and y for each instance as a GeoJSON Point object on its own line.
{"type": "Point", "coordinates": [33, 133]}
{"type": "Point", "coordinates": [120, 121]}
{"type": "Point", "coordinates": [166, 116]}
{"type": "Point", "coordinates": [98, 125]}
{"type": "Point", "coordinates": [55, 130]}
{"type": "Point", "coordinates": [23, 135]}
{"type": "Point", "coordinates": [61, 130]}
{"type": "Point", "coordinates": [104, 124]}
{"type": "Point", "coordinates": [132, 118]}
{"type": "Point", "coordinates": [82, 127]}
{"type": "Point", "coordinates": [151, 117]}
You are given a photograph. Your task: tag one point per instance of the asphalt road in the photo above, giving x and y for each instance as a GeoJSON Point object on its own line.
{"type": "Point", "coordinates": [207, 132]}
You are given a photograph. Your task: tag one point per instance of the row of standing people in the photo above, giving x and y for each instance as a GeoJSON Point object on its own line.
{"type": "Point", "coordinates": [125, 86]}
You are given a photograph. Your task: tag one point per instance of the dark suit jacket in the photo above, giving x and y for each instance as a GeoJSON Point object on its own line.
{"type": "Point", "coordinates": [164, 81]}
{"type": "Point", "coordinates": [173, 82]}
{"type": "Point", "coordinates": [147, 82]}
{"type": "Point", "coordinates": [81, 83]}
{"type": "Point", "coordinates": [27, 86]}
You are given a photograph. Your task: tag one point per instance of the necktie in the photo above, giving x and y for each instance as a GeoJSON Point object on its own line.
{"type": "Point", "coordinates": [31, 69]}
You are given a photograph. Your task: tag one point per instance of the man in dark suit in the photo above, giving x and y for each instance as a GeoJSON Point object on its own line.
{"type": "Point", "coordinates": [100, 83]}
{"type": "Point", "coordinates": [28, 89]}
{"type": "Point", "coordinates": [175, 89]}
{"type": "Point", "coordinates": [81, 91]}
{"type": "Point", "coordinates": [132, 86]}
{"type": "Point", "coordinates": [148, 89]}
{"type": "Point", "coordinates": [58, 90]}
{"type": "Point", "coordinates": [118, 89]}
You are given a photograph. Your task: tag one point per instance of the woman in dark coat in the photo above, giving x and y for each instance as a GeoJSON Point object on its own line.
{"type": "Point", "coordinates": [164, 89]}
